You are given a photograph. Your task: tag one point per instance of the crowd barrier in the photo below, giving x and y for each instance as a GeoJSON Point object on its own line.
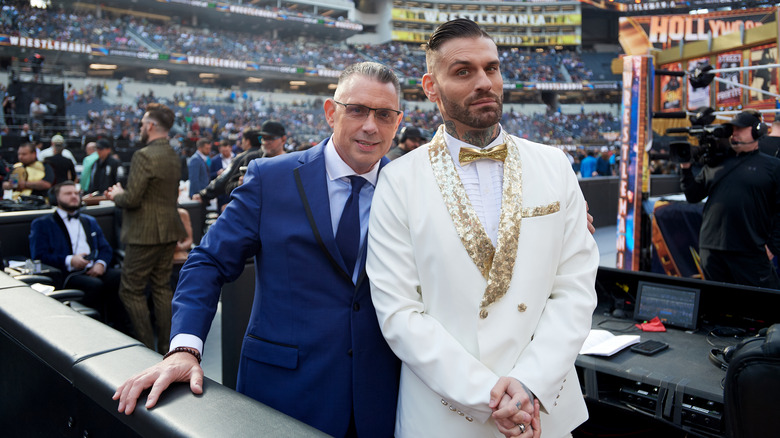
{"type": "Point", "coordinates": [15, 226]}
{"type": "Point", "coordinates": [60, 369]}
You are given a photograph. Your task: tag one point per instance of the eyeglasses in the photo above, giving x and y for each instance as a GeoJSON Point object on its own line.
{"type": "Point", "coordinates": [360, 112]}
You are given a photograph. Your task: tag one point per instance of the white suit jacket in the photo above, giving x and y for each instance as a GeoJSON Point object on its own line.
{"type": "Point", "coordinates": [457, 334]}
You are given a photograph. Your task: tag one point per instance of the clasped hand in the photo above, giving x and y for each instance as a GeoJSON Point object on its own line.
{"type": "Point", "coordinates": [513, 406]}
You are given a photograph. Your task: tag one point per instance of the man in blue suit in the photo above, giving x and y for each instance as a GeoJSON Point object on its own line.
{"type": "Point", "coordinates": [313, 348]}
{"type": "Point", "coordinates": [198, 166]}
{"type": "Point", "coordinates": [74, 243]}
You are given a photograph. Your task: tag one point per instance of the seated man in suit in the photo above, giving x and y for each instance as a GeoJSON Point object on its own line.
{"type": "Point", "coordinates": [74, 243]}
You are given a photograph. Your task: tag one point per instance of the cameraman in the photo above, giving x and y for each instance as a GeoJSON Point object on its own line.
{"type": "Point", "coordinates": [740, 229]}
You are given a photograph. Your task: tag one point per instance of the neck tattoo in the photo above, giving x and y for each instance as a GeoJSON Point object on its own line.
{"type": "Point", "coordinates": [476, 137]}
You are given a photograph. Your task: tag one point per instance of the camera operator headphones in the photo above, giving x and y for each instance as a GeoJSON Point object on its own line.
{"type": "Point", "coordinates": [721, 357]}
{"type": "Point", "coordinates": [749, 118]}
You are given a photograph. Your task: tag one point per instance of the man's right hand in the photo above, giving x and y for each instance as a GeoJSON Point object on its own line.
{"type": "Point", "coordinates": [179, 367]}
{"type": "Point", "coordinates": [196, 197]}
{"type": "Point", "coordinates": [79, 261]}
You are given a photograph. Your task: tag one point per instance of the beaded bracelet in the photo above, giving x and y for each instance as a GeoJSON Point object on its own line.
{"type": "Point", "coordinates": [189, 350]}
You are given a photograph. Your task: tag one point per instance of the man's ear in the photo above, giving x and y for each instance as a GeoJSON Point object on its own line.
{"type": "Point", "coordinates": [330, 111]}
{"type": "Point", "coordinates": [429, 87]}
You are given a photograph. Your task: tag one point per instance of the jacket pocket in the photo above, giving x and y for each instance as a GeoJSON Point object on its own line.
{"type": "Point", "coordinates": [271, 353]}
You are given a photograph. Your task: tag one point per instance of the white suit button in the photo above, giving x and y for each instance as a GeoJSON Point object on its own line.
{"type": "Point", "coordinates": [444, 402]}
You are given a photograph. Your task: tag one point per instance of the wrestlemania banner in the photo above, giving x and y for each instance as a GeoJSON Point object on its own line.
{"type": "Point", "coordinates": [764, 78]}
{"type": "Point", "coordinates": [639, 34]}
{"type": "Point", "coordinates": [172, 58]}
{"type": "Point", "coordinates": [729, 96]}
{"type": "Point", "coordinates": [671, 89]}
{"type": "Point", "coordinates": [517, 21]}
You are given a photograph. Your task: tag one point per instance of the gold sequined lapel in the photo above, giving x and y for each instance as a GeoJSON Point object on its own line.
{"type": "Point", "coordinates": [464, 217]}
{"type": "Point", "coordinates": [495, 264]}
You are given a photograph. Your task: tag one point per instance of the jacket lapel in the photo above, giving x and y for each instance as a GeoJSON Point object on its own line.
{"type": "Point", "coordinates": [311, 181]}
{"type": "Point", "coordinates": [61, 224]}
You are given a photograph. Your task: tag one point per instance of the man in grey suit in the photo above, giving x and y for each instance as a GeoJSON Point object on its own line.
{"type": "Point", "coordinates": [150, 226]}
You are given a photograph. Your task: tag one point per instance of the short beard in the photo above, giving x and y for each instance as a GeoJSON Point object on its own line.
{"type": "Point", "coordinates": [484, 119]}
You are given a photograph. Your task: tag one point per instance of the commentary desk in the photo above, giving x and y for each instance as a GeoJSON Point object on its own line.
{"type": "Point", "coordinates": [678, 386]}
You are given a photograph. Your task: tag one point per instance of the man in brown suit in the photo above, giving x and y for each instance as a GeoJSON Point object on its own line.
{"type": "Point", "coordinates": [150, 227]}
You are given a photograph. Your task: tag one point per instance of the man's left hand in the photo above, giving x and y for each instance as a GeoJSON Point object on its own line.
{"type": "Point", "coordinates": [511, 429]}
{"type": "Point", "coordinates": [518, 409]}
{"type": "Point", "coordinates": [96, 270]}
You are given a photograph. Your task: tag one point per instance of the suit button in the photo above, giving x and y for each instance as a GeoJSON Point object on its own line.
{"type": "Point", "coordinates": [453, 408]}
{"type": "Point", "coordinates": [356, 306]}
{"type": "Point", "coordinates": [469, 419]}
{"type": "Point", "coordinates": [444, 402]}
{"type": "Point", "coordinates": [349, 352]}
{"type": "Point", "coordinates": [461, 413]}
{"type": "Point", "coordinates": [483, 313]}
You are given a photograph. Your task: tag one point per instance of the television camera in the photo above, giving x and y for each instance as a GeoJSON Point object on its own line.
{"type": "Point", "coordinates": [714, 144]}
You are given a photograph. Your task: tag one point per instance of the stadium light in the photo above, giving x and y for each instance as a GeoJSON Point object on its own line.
{"type": "Point", "coordinates": [254, 80]}
{"type": "Point", "coordinates": [297, 83]}
{"type": "Point", "coordinates": [208, 75]}
{"type": "Point", "coordinates": [157, 71]}
{"type": "Point", "coordinates": [103, 66]}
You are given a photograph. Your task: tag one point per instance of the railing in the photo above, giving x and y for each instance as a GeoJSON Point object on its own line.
{"type": "Point", "coordinates": [59, 370]}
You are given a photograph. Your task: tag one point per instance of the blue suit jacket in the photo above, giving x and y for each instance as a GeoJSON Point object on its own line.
{"type": "Point", "coordinates": [50, 241]}
{"type": "Point", "coordinates": [313, 348]}
{"type": "Point", "coordinates": [198, 172]}
{"type": "Point", "coordinates": [216, 164]}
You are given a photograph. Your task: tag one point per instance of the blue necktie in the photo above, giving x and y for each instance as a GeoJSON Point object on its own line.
{"type": "Point", "coordinates": [348, 232]}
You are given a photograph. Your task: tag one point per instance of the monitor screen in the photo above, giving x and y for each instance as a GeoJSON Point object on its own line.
{"type": "Point", "coordinates": [673, 305]}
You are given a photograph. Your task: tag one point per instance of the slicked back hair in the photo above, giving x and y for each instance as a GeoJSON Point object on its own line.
{"type": "Point", "coordinates": [372, 70]}
{"type": "Point", "coordinates": [458, 28]}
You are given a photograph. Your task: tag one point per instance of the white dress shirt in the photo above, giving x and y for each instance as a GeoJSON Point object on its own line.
{"type": "Point", "coordinates": [484, 182]}
{"type": "Point", "coordinates": [78, 240]}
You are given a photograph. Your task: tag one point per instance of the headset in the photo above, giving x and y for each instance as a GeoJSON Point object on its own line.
{"type": "Point", "coordinates": [402, 135]}
{"type": "Point", "coordinates": [721, 357]}
{"type": "Point", "coordinates": [759, 129]}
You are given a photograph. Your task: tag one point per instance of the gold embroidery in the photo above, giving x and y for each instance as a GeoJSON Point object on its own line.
{"type": "Point", "coordinates": [496, 270]}
{"type": "Point", "coordinates": [542, 210]}
{"type": "Point", "coordinates": [464, 217]}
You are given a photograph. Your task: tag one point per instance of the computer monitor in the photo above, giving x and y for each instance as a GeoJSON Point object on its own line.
{"type": "Point", "coordinates": [673, 305]}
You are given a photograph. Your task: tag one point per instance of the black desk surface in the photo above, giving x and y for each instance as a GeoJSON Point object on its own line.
{"type": "Point", "coordinates": [683, 367]}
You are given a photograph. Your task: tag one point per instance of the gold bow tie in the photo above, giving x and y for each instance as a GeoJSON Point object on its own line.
{"type": "Point", "coordinates": [496, 153]}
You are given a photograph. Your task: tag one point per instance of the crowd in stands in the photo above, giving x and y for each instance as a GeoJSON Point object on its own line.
{"type": "Point", "coordinates": [19, 19]}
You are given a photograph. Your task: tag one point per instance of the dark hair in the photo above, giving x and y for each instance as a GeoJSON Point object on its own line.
{"type": "Point", "coordinates": [201, 142]}
{"type": "Point", "coordinates": [372, 70]}
{"type": "Point", "coordinates": [458, 28]}
{"type": "Point", "coordinates": [29, 146]}
{"type": "Point", "coordinates": [56, 189]}
{"type": "Point", "coordinates": [253, 137]}
{"type": "Point", "coordinates": [161, 114]}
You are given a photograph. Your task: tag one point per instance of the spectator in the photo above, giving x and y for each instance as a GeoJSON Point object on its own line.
{"type": "Point", "coordinates": [83, 254]}
{"type": "Point", "coordinates": [198, 166]}
{"type": "Point", "coordinates": [150, 227]}
{"type": "Point", "coordinates": [29, 176]}
{"type": "Point", "coordinates": [106, 171]}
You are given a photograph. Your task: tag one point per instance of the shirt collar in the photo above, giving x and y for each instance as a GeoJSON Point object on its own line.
{"type": "Point", "coordinates": [336, 167]}
{"type": "Point", "coordinates": [63, 214]}
{"type": "Point", "coordinates": [454, 145]}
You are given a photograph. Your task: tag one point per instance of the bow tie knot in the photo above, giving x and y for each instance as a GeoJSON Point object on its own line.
{"type": "Point", "coordinates": [73, 215]}
{"type": "Point", "coordinates": [468, 154]}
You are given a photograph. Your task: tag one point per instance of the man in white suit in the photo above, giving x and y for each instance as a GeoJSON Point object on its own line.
{"type": "Point", "coordinates": [482, 268]}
